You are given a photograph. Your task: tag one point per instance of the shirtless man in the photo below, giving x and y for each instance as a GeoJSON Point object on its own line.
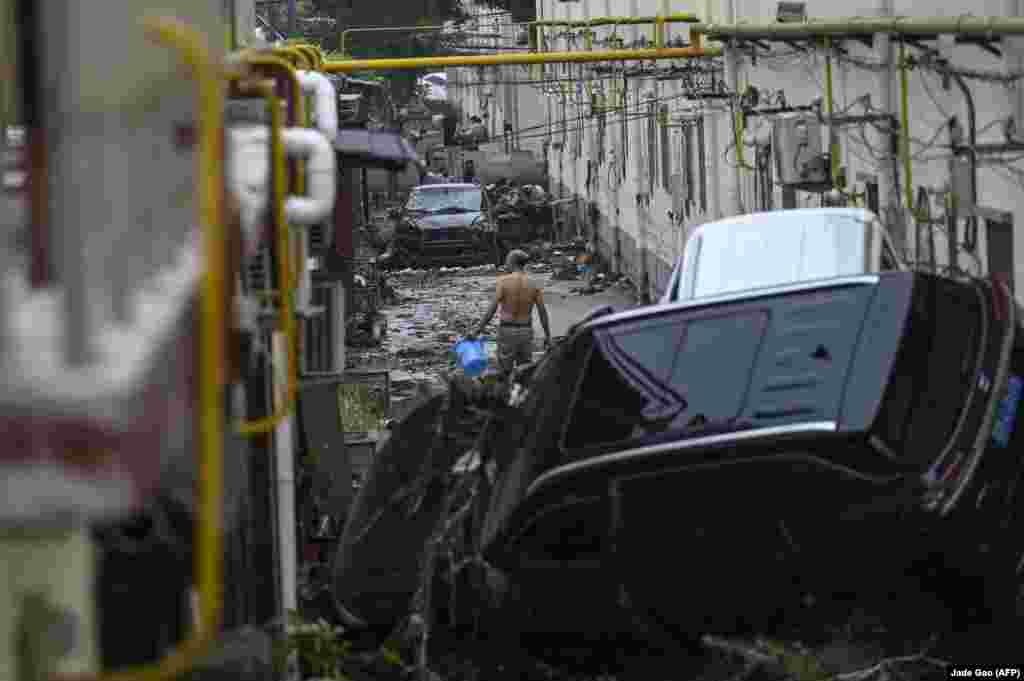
{"type": "Point", "coordinates": [514, 300]}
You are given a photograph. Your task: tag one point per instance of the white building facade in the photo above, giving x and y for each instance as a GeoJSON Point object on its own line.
{"type": "Point", "coordinates": [651, 150]}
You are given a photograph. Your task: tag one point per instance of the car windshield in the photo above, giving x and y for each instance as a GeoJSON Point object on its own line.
{"type": "Point", "coordinates": [445, 199]}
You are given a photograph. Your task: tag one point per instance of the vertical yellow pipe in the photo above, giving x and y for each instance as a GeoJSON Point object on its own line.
{"type": "Point", "coordinates": [833, 145]}
{"type": "Point", "coordinates": [588, 43]}
{"type": "Point", "coordinates": [536, 45]}
{"type": "Point", "coordinates": [212, 346]}
{"type": "Point", "coordinates": [276, 63]}
{"type": "Point", "coordinates": [193, 52]}
{"type": "Point", "coordinates": [284, 274]}
{"type": "Point", "coordinates": [908, 181]}
{"type": "Point", "coordinates": [738, 124]}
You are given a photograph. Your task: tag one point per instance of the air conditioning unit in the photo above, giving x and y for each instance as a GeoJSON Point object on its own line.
{"type": "Point", "coordinates": [796, 141]}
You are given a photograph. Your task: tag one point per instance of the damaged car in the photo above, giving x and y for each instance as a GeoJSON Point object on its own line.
{"type": "Point", "coordinates": [444, 224]}
{"type": "Point", "coordinates": [704, 467]}
{"type": "Point", "coordinates": [714, 465]}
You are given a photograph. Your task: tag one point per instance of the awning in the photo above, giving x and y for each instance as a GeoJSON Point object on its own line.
{"type": "Point", "coordinates": [374, 148]}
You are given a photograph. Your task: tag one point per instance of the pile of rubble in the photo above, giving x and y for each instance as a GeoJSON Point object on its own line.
{"type": "Point", "coordinates": [506, 195]}
{"type": "Point", "coordinates": [527, 205]}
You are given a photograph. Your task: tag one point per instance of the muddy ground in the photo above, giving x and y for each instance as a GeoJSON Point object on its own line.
{"type": "Point", "coordinates": [429, 311]}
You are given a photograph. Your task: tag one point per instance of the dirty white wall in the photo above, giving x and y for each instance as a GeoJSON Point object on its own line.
{"type": "Point", "coordinates": [492, 92]}
{"type": "Point", "coordinates": [631, 223]}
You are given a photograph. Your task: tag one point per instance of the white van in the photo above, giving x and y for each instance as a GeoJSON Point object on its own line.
{"type": "Point", "coordinates": [780, 247]}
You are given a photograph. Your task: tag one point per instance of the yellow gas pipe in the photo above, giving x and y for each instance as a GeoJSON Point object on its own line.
{"type": "Point", "coordinates": [829, 108]}
{"type": "Point", "coordinates": [298, 58]}
{"type": "Point", "coordinates": [285, 279]}
{"type": "Point", "coordinates": [408, 63]}
{"type": "Point", "coordinates": [310, 55]}
{"type": "Point", "coordinates": [191, 47]}
{"type": "Point", "coordinates": [908, 180]}
{"type": "Point", "coordinates": [281, 66]}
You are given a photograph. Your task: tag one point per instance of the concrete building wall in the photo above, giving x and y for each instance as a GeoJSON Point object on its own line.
{"type": "Point", "coordinates": [493, 93]}
{"type": "Point", "coordinates": [625, 209]}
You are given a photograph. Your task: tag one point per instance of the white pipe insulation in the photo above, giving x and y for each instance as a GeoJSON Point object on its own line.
{"type": "Point", "coordinates": [321, 183]}
{"type": "Point", "coordinates": [250, 174]}
{"type": "Point", "coordinates": [325, 101]}
{"type": "Point", "coordinates": [250, 178]}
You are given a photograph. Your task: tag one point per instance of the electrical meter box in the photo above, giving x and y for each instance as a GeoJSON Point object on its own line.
{"type": "Point", "coordinates": [796, 140]}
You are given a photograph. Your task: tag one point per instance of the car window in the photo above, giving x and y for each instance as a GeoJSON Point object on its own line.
{"type": "Point", "coordinates": [637, 381]}
{"type": "Point", "coordinates": [434, 200]}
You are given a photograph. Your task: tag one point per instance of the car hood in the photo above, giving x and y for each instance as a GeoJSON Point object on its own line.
{"type": "Point", "coordinates": [445, 220]}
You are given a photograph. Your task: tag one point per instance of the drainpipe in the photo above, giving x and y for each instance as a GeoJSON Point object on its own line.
{"type": "Point", "coordinates": [732, 79]}
{"type": "Point", "coordinates": [971, 231]}
{"type": "Point", "coordinates": [715, 196]}
{"type": "Point", "coordinates": [285, 479]}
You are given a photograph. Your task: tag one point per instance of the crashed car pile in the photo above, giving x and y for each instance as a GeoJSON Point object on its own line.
{"type": "Point", "coordinates": [523, 212]}
{"type": "Point", "coordinates": [834, 501]}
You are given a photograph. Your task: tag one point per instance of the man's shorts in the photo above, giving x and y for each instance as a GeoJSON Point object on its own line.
{"type": "Point", "coordinates": [515, 346]}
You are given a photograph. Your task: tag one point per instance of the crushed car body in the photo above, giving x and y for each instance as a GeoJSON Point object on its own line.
{"type": "Point", "coordinates": [705, 461]}
{"type": "Point", "coordinates": [702, 466]}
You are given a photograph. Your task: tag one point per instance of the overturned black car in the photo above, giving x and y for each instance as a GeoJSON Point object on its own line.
{"type": "Point", "coordinates": [702, 467]}
{"type": "Point", "coordinates": [443, 224]}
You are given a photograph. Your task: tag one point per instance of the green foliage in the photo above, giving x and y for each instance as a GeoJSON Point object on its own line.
{"type": "Point", "coordinates": [324, 653]}
{"type": "Point", "coordinates": [391, 657]}
{"type": "Point", "coordinates": [361, 409]}
{"type": "Point", "coordinates": [800, 665]}
{"type": "Point", "coordinates": [319, 646]}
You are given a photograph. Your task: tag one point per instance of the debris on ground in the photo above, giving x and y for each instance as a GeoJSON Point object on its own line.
{"type": "Point", "coordinates": [418, 315]}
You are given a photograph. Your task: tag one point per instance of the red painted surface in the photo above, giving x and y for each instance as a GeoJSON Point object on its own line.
{"type": "Point", "coordinates": [93, 450]}
{"type": "Point", "coordinates": [344, 209]}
